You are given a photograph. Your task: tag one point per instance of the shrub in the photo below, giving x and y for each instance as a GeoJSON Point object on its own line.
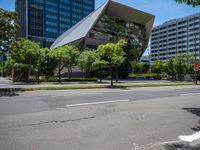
{"type": "Point", "coordinates": [146, 76]}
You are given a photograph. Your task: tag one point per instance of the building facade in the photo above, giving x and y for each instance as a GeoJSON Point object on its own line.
{"type": "Point", "coordinates": [109, 23]}
{"type": "Point", "coordinates": [44, 20]}
{"type": "Point", "coordinates": [176, 36]}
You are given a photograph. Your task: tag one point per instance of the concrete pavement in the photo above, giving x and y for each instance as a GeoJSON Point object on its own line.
{"type": "Point", "coordinates": [126, 119]}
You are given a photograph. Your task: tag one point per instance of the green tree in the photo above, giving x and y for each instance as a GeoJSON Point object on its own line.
{"type": "Point", "coordinates": [170, 68]}
{"type": "Point", "coordinates": [9, 27]}
{"type": "Point", "coordinates": [66, 56]}
{"type": "Point", "coordinates": [134, 54]}
{"type": "Point", "coordinates": [157, 67]}
{"type": "Point", "coordinates": [112, 54]}
{"type": "Point", "coordinates": [190, 2]}
{"type": "Point", "coordinates": [61, 55]}
{"type": "Point", "coordinates": [46, 63]}
{"type": "Point", "coordinates": [136, 67]}
{"type": "Point", "coordinates": [72, 60]}
{"type": "Point", "coordinates": [9, 66]}
{"type": "Point", "coordinates": [86, 60]}
{"type": "Point", "coordinates": [25, 53]}
{"type": "Point", "coordinates": [183, 63]}
{"type": "Point", "coordinates": [99, 66]}
{"type": "Point", "coordinates": [145, 67]}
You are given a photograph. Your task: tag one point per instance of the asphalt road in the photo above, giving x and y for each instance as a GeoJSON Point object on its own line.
{"type": "Point", "coordinates": [100, 119]}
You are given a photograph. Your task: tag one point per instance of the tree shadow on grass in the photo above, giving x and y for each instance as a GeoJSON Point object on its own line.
{"type": "Point", "coordinates": [187, 146]}
{"type": "Point", "coordinates": [118, 87]}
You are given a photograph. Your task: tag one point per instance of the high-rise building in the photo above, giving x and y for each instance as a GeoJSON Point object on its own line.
{"type": "Point", "coordinates": [44, 20]}
{"type": "Point", "coordinates": [176, 36]}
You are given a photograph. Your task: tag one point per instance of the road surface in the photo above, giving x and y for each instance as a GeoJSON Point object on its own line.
{"type": "Point", "coordinates": [151, 118]}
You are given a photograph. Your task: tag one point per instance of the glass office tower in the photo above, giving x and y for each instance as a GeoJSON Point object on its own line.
{"type": "Point", "coordinates": [44, 20]}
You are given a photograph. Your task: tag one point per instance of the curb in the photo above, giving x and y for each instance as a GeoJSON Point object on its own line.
{"type": "Point", "coordinates": [90, 87]}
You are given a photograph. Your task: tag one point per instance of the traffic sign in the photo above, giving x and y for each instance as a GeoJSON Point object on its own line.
{"type": "Point", "coordinates": [196, 67]}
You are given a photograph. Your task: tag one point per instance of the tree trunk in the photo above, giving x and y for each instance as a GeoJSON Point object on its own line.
{"type": "Point", "coordinates": [101, 75]}
{"type": "Point", "coordinates": [28, 72]}
{"type": "Point", "coordinates": [37, 77]}
{"type": "Point", "coordinates": [117, 78]}
{"type": "Point", "coordinates": [13, 75]}
{"type": "Point", "coordinates": [59, 72]}
{"type": "Point", "coordinates": [47, 78]}
{"type": "Point", "coordinates": [111, 76]}
{"type": "Point", "coordinates": [69, 76]}
{"type": "Point", "coordinates": [82, 74]}
{"type": "Point", "coordinates": [87, 73]}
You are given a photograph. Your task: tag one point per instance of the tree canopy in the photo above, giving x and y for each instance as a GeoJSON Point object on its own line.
{"type": "Point", "coordinates": [9, 27]}
{"type": "Point", "coordinates": [25, 52]}
{"type": "Point", "coordinates": [157, 67]}
{"type": "Point", "coordinates": [65, 56]}
{"type": "Point", "coordinates": [112, 54]}
{"type": "Point", "coordinates": [190, 2]}
{"type": "Point", "coordinates": [86, 60]}
{"type": "Point", "coordinates": [46, 63]}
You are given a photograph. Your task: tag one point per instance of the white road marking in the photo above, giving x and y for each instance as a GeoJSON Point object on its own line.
{"type": "Point", "coordinates": [96, 103]}
{"type": "Point", "coordinates": [152, 145]}
{"type": "Point", "coordinates": [76, 94]}
{"type": "Point", "coordinates": [190, 94]}
{"type": "Point", "coordinates": [190, 138]}
{"type": "Point", "coordinates": [186, 138]}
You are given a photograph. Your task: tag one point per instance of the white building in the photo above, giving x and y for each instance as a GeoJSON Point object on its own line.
{"type": "Point", "coordinates": [176, 36]}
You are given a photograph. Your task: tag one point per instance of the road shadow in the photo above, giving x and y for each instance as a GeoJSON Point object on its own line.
{"type": "Point", "coordinates": [118, 87]}
{"type": "Point", "coordinates": [186, 146]}
{"type": "Point", "coordinates": [8, 94]}
{"type": "Point", "coordinates": [195, 111]}
{"type": "Point", "coordinates": [182, 146]}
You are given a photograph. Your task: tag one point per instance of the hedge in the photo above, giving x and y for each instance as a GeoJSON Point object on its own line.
{"type": "Point", "coordinates": [146, 76]}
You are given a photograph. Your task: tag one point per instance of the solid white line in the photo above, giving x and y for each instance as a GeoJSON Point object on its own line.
{"type": "Point", "coordinates": [188, 94]}
{"type": "Point", "coordinates": [76, 94]}
{"type": "Point", "coordinates": [96, 103]}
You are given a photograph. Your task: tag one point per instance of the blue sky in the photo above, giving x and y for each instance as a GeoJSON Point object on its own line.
{"type": "Point", "coordinates": [164, 10]}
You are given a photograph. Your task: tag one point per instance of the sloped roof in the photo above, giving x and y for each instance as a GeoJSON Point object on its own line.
{"type": "Point", "coordinates": [81, 29]}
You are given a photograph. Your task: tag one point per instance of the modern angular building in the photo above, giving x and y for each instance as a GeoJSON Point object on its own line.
{"type": "Point", "coordinates": [109, 23]}
{"type": "Point", "coordinates": [176, 36]}
{"type": "Point", "coordinates": [44, 20]}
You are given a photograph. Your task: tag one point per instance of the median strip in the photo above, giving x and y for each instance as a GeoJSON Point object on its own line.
{"type": "Point", "coordinates": [92, 87]}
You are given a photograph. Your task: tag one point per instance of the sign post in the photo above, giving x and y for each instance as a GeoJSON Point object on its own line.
{"type": "Point", "coordinates": [196, 69]}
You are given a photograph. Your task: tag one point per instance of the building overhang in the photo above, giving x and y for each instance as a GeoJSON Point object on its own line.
{"type": "Point", "coordinates": [82, 28]}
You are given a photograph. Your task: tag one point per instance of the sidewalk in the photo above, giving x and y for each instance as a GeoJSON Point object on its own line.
{"type": "Point", "coordinates": [8, 84]}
